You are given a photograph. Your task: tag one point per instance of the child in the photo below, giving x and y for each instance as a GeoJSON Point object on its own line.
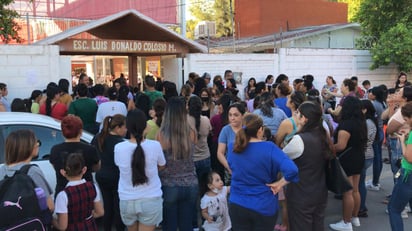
{"type": "Point", "coordinates": [214, 203]}
{"type": "Point", "coordinates": [79, 203]}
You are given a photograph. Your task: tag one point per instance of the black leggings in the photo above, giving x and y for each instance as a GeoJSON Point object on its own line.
{"type": "Point", "coordinates": [244, 219]}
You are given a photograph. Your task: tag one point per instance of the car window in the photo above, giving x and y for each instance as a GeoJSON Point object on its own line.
{"type": "Point", "coordinates": [47, 136]}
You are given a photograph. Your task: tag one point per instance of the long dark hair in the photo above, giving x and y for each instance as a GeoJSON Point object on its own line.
{"type": "Point", "coordinates": [109, 123]}
{"type": "Point", "coordinates": [159, 106]}
{"type": "Point", "coordinates": [195, 110]}
{"type": "Point", "coordinates": [370, 114]}
{"type": "Point", "coordinates": [313, 113]}
{"type": "Point", "coordinates": [266, 104]}
{"type": "Point", "coordinates": [51, 92]}
{"type": "Point", "coordinates": [225, 100]}
{"type": "Point", "coordinates": [352, 110]}
{"type": "Point", "coordinates": [136, 124]}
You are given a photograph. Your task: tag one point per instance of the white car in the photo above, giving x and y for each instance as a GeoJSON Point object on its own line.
{"type": "Point", "coordinates": [47, 130]}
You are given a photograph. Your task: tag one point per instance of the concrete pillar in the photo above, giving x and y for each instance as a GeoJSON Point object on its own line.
{"type": "Point", "coordinates": [132, 70]}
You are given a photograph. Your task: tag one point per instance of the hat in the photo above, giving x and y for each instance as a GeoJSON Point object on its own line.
{"type": "Point", "coordinates": [206, 76]}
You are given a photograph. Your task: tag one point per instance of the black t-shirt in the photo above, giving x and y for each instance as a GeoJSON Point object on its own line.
{"type": "Point", "coordinates": [60, 151]}
{"type": "Point", "coordinates": [108, 170]}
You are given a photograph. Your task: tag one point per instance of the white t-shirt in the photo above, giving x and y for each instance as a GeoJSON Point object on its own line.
{"type": "Point", "coordinates": [62, 200]}
{"type": "Point", "coordinates": [109, 109]}
{"type": "Point", "coordinates": [216, 208]}
{"type": "Point", "coordinates": [154, 157]}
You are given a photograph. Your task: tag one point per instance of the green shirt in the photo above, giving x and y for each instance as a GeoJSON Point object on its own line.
{"type": "Point", "coordinates": [404, 163]}
{"type": "Point", "coordinates": [153, 95]}
{"type": "Point", "coordinates": [86, 109]}
{"type": "Point", "coordinates": [153, 129]}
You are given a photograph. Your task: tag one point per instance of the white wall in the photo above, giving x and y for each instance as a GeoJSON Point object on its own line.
{"type": "Point", "coordinates": [27, 68]}
{"type": "Point", "coordinates": [295, 62]}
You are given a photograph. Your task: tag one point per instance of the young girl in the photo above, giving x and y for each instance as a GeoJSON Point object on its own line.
{"type": "Point", "coordinates": [214, 203]}
{"type": "Point", "coordinates": [79, 203]}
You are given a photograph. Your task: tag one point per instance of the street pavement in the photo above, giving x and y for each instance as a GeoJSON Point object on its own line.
{"type": "Point", "coordinates": [377, 220]}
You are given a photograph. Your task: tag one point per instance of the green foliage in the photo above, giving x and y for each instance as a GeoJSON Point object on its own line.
{"type": "Point", "coordinates": [389, 23]}
{"type": "Point", "coordinates": [394, 46]}
{"type": "Point", "coordinates": [353, 8]}
{"type": "Point", "coordinates": [8, 26]}
{"type": "Point", "coordinates": [218, 11]}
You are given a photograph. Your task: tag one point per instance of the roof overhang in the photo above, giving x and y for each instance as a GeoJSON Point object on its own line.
{"type": "Point", "coordinates": [125, 33]}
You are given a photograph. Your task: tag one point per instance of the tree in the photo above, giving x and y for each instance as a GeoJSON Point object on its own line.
{"type": "Point", "coordinates": [218, 11]}
{"type": "Point", "coordinates": [8, 26]}
{"type": "Point", "coordinates": [353, 8]}
{"type": "Point", "coordinates": [389, 24]}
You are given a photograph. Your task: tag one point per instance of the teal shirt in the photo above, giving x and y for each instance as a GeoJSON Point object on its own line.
{"type": "Point", "coordinates": [86, 109]}
{"type": "Point", "coordinates": [153, 95]}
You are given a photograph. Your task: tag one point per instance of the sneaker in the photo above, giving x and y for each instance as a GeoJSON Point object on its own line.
{"type": "Point", "coordinates": [373, 187]}
{"type": "Point", "coordinates": [341, 226]}
{"type": "Point", "coordinates": [355, 221]}
{"type": "Point", "coordinates": [404, 214]}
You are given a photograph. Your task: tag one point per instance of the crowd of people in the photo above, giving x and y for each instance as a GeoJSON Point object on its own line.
{"type": "Point", "coordinates": [204, 158]}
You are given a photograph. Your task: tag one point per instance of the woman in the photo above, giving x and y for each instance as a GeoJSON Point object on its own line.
{"type": "Point", "coordinates": [228, 133]}
{"type": "Point", "coordinates": [402, 81]}
{"type": "Point", "coordinates": [208, 106]}
{"type": "Point", "coordinates": [72, 128]}
{"type": "Point", "coordinates": [53, 107]}
{"type": "Point", "coordinates": [113, 131]}
{"type": "Point", "coordinates": [20, 147]}
{"type": "Point", "coordinates": [329, 100]}
{"type": "Point", "coordinates": [378, 98]}
{"type": "Point", "coordinates": [283, 91]}
{"type": "Point", "coordinates": [347, 88]}
{"type": "Point", "coordinates": [157, 117]}
{"type": "Point", "coordinates": [371, 125]}
{"type": "Point", "coordinates": [139, 190]}
{"type": "Point", "coordinates": [202, 126]}
{"type": "Point", "coordinates": [231, 87]}
{"type": "Point", "coordinates": [35, 98]}
{"type": "Point", "coordinates": [402, 191]}
{"type": "Point", "coordinates": [255, 165]}
{"type": "Point", "coordinates": [249, 90]}
{"type": "Point", "coordinates": [309, 149]}
{"type": "Point", "coordinates": [272, 116]}
{"type": "Point", "coordinates": [218, 121]}
{"type": "Point", "coordinates": [179, 181]}
{"type": "Point", "coordinates": [350, 140]}
{"type": "Point", "coordinates": [269, 81]}
{"type": "Point", "coordinates": [289, 127]}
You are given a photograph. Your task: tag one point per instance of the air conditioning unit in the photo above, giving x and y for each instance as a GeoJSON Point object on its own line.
{"type": "Point", "coordinates": [205, 29]}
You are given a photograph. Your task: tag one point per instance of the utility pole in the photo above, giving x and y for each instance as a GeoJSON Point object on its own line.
{"type": "Point", "coordinates": [183, 18]}
{"type": "Point", "coordinates": [233, 26]}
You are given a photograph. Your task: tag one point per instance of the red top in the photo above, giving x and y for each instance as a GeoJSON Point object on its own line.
{"type": "Point", "coordinates": [59, 110]}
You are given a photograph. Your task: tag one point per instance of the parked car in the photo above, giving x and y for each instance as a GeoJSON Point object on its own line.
{"type": "Point", "coordinates": [47, 130]}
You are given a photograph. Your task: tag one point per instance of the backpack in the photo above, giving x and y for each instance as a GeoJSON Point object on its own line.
{"type": "Point", "coordinates": [19, 205]}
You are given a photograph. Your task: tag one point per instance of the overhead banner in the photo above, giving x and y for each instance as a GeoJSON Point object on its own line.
{"type": "Point", "coordinates": [119, 46]}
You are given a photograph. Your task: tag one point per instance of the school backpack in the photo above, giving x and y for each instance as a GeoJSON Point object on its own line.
{"type": "Point", "coordinates": [19, 205]}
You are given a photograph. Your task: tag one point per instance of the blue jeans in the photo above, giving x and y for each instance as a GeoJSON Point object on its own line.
{"type": "Point", "coordinates": [396, 155]}
{"type": "Point", "coordinates": [178, 204]}
{"type": "Point", "coordinates": [401, 195]}
{"type": "Point", "coordinates": [377, 158]}
{"type": "Point", "coordinates": [362, 187]}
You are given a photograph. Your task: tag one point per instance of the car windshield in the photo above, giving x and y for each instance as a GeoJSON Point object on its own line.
{"type": "Point", "coordinates": [47, 136]}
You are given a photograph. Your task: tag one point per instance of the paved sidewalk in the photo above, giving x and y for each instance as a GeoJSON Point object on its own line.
{"type": "Point", "coordinates": [378, 220]}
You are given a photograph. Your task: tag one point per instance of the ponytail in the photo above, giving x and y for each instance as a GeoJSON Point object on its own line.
{"type": "Point", "coordinates": [251, 125]}
{"type": "Point", "coordinates": [139, 163]}
{"type": "Point", "coordinates": [136, 124]}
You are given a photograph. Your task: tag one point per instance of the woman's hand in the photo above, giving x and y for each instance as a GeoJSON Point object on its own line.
{"type": "Point", "coordinates": [277, 186]}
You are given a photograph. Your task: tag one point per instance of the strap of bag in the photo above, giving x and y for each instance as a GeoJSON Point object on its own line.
{"type": "Point", "coordinates": [25, 169]}
{"type": "Point", "coordinates": [343, 153]}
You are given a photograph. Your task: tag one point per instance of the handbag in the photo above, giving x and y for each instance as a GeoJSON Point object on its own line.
{"type": "Point", "coordinates": [336, 178]}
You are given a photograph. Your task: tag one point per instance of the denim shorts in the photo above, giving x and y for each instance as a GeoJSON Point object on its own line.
{"type": "Point", "coordinates": [147, 211]}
